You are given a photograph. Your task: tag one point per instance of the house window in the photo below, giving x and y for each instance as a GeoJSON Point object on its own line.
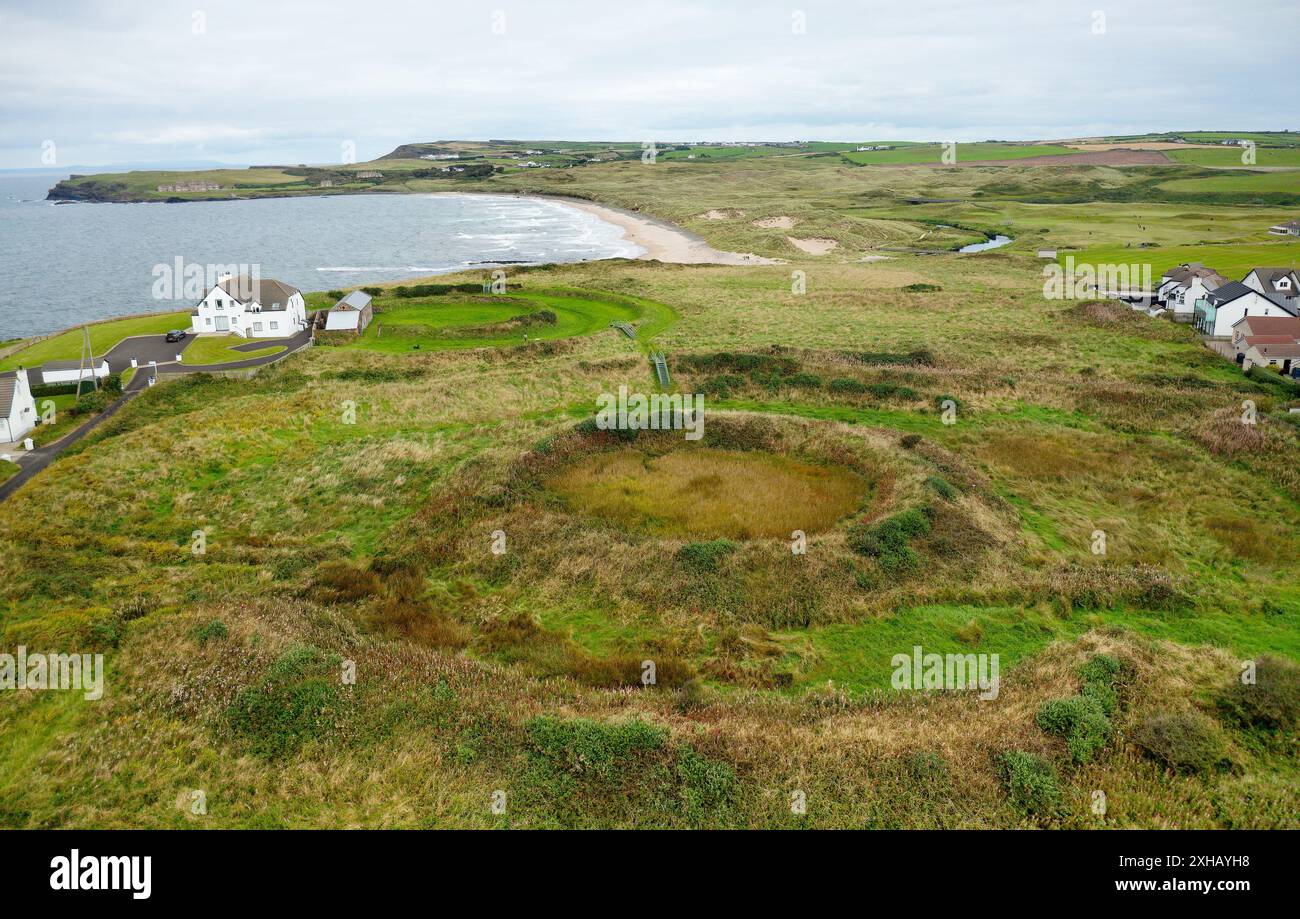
{"type": "Point", "coordinates": [257, 327]}
{"type": "Point", "coordinates": [219, 305]}
{"type": "Point", "coordinates": [274, 324]}
{"type": "Point", "coordinates": [208, 321]}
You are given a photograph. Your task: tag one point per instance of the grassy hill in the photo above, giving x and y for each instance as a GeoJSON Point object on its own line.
{"type": "Point", "coordinates": [450, 523]}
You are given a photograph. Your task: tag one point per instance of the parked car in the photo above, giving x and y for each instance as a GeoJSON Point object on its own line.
{"type": "Point", "coordinates": [176, 335]}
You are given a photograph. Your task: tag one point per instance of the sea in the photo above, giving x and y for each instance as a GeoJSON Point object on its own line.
{"type": "Point", "coordinates": [64, 264]}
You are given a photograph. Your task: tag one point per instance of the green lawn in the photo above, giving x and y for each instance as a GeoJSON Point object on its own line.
{"type": "Point", "coordinates": [438, 323]}
{"type": "Point", "coordinates": [218, 349]}
{"type": "Point", "coordinates": [103, 336]}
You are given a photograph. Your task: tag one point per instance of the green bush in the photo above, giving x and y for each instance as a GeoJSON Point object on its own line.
{"type": "Point", "coordinates": [1031, 782]}
{"type": "Point", "coordinates": [1080, 720]}
{"type": "Point", "coordinates": [590, 749]}
{"type": "Point", "coordinates": [707, 786]}
{"type": "Point", "coordinates": [210, 631]}
{"type": "Point", "coordinates": [705, 556]}
{"type": "Point", "coordinates": [846, 385]}
{"type": "Point", "coordinates": [1270, 706]}
{"type": "Point", "coordinates": [942, 487]}
{"type": "Point", "coordinates": [808, 380]}
{"type": "Point", "coordinates": [889, 541]}
{"type": "Point", "coordinates": [1185, 742]}
{"type": "Point", "coordinates": [922, 288]}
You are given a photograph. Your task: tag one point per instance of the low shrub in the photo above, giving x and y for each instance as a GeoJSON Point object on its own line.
{"type": "Point", "coordinates": [942, 487]}
{"type": "Point", "coordinates": [1271, 705]}
{"type": "Point", "coordinates": [845, 385]}
{"type": "Point", "coordinates": [1186, 742]}
{"type": "Point", "coordinates": [1080, 720]}
{"type": "Point", "coordinates": [211, 631]}
{"type": "Point", "coordinates": [703, 557]}
{"type": "Point", "coordinates": [1031, 782]}
{"type": "Point", "coordinates": [922, 288]}
{"type": "Point", "coordinates": [889, 541]}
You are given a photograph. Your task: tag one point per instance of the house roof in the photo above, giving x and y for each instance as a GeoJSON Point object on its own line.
{"type": "Point", "coordinates": [8, 383]}
{"type": "Point", "coordinates": [271, 294]}
{"type": "Point", "coordinates": [1290, 225]}
{"type": "Point", "coordinates": [1233, 290]}
{"type": "Point", "coordinates": [1269, 277]}
{"type": "Point", "coordinates": [1252, 340]}
{"type": "Point", "coordinates": [1272, 325]}
{"type": "Point", "coordinates": [357, 300]}
{"type": "Point", "coordinates": [1279, 351]}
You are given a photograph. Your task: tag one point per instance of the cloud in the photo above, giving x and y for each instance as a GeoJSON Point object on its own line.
{"type": "Point", "coordinates": [289, 82]}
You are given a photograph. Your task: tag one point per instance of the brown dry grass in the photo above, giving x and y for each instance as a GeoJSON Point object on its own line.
{"type": "Point", "coordinates": [710, 493]}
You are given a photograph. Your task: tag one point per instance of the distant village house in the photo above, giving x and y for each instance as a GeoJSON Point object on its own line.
{"type": "Point", "coordinates": [191, 186]}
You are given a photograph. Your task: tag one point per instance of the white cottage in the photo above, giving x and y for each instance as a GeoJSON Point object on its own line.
{"type": "Point", "coordinates": [1220, 309]}
{"type": "Point", "coordinates": [17, 407]}
{"type": "Point", "coordinates": [250, 308]}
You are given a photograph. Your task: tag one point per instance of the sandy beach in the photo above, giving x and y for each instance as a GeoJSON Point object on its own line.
{"type": "Point", "coordinates": [662, 241]}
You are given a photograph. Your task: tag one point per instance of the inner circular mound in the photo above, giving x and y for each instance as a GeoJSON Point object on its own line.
{"type": "Point", "coordinates": [704, 491]}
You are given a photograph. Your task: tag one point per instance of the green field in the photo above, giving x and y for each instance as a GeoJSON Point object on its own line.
{"type": "Point", "coordinates": [1232, 156]}
{"type": "Point", "coordinates": [1241, 183]}
{"type": "Point", "coordinates": [103, 336]}
{"type": "Point", "coordinates": [1232, 261]}
{"type": "Point", "coordinates": [974, 152]}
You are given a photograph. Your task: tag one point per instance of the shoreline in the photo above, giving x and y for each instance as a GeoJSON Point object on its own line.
{"type": "Point", "coordinates": [662, 240]}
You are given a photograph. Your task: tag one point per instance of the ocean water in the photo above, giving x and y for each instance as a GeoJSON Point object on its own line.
{"type": "Point", "coordinates": [69, 263]}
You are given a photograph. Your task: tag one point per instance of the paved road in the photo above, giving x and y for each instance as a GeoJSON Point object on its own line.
{"type": "Point", "coordinates": [144, 348]}
{"type": "Point", "coordinates": [33, 462]}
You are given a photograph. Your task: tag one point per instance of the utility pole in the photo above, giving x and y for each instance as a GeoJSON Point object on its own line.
{"type": "Point", "coordinates": [87, 354]}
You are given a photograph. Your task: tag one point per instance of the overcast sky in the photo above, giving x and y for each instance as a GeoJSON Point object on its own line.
{"type": "Point", "coordinates": [260, 81]}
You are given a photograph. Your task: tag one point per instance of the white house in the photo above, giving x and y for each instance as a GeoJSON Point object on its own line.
{"type": "Point", "coordinates": [1181, 287]}
{"type": "Point", "coordinates": [250, 308]}
{"type": "Point", "coordinates": [351, 314]}
{"type": "Point", "coordinates": [17, 407]}
{"type": "Point", "coordinates": [1220, 309]}
{"type": "Point", "coordinates": [72, 371]}
{"type": "Point", "coordinates": [1290, 228]}
{"type": "Point", "coordinates": [1280, 281]}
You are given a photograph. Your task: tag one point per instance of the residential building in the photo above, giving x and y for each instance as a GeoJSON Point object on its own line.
{"type": "Point", "coordinates": [250, 308]}
{"type": "Point", "coordinates": [17, 407]}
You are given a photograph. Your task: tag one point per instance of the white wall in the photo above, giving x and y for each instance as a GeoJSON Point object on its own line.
{"type": "Point", "coordinates": [22, 411]}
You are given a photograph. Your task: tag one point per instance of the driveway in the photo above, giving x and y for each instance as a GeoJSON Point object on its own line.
{"type": "Point", "coordinates": [145, 348]}
{"type": "Point", "coordinates": [33, 462]}
{"type": "Point", "coordinates": [292, 344]}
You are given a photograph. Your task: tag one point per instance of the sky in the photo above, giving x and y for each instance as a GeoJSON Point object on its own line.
{"type": "Point", "coordinates": [259, 81]}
